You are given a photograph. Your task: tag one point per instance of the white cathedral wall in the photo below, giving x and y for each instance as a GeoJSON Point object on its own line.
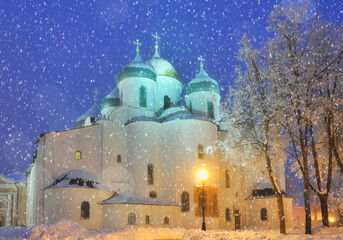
{"type": "Point", "coordinates": [65, 203]}
{"type": "Point", "coordinates": [199, 102]}
{"type": "Point", "coordinates": [129, 88]}
{"type": "Point", "coordinates": [167, 86]}
{"type": "Point", "coordinates": [143, 148]}
{"type": "Point", "coordinates": [254, 212]}
{"type": "Point", "coordinates": [183, 137]}
{"type": "Point", "coordinates": [116, 215]}
{"type": "Point", "coordinates": [114, 175]}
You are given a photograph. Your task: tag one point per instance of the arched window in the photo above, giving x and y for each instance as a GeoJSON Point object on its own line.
{"type": "Point", "coordinates": [121, 97]}
{"type": "Point", "coordinates": [150, 174]}
{"type": "Point", "coordinates": [147, 219]}
{"type": "Point", "coordinates": [85, 210]}
{"type": "Point", "coordinates": [210, 113]}
{"type": "Point", "coordinates": [142, 96]}
{"type": "Point", "coordinates": [118, 158]}
{"type": "Point", "coordinates": [190, 107]}
{"type": "Point", "coordinates": [228, 215]}
{"type": "Point", "coordinates": [264, 216]}
{"type": "Point", "coordinates": [166, 220]}
{"type": "Point", "coordinates": [166, 102]}
{"type": "Point", "coordinates": [131, 219]}
{"type": "Point", "coordinates": [77, 155]}
{"type": "Point", "coordinates": [227, 178]}
{"type": "Point", "coordinates": [200, 151]}
{"type": "Point", "coordinates": [2, 204]}
{"type": "Point", "coordinates": [185, 202]}
{"type": "Point", "coordinates": [153, 194]}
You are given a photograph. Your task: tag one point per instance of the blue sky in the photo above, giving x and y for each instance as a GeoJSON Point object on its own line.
{"type": "Point", "coordinates": [53, 54]}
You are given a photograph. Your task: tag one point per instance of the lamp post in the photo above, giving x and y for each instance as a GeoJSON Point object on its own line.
{"type": "Point", "coordinates": [203, 175]}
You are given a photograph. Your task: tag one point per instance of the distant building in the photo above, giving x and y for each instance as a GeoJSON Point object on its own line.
{"type": "Point", "coordinates": [134, 162]}
{"type": "Point", "coordinates": [12, 202]}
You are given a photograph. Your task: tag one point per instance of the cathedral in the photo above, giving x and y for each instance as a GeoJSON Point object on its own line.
{"type": "Point", "coordinates": [134, 160]}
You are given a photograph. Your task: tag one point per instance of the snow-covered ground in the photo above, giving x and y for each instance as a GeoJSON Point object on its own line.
{"type": "Point", "coordinates": [66, 229]}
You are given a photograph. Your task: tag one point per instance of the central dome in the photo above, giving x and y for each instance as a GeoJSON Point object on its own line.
{"type": "Point", "coordinates": [137, 68]}
{"type": "Point", "coordinates": [163, 67]}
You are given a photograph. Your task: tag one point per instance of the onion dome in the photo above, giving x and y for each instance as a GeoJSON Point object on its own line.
{"type": "Point", "coordinates": [161, 66]}
{"type": "Point", "coordinates": [111, 100]}
{"type": "Point", "coordinates": [137, 68]}
{"type": "Point", "coordinates": [89, 117]}
{"type": "Point", "coordinates": [202, 82]}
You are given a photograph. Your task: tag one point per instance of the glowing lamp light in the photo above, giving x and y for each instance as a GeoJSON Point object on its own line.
{"type": "Point", "coordinates": [202, 174]}
{"type": "Point", "coordinates": [331, 219]}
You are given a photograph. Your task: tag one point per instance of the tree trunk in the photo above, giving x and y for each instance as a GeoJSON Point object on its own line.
{"type": "Point", "coordinates": [278, 194]}
{"type": "Point", "coordinates": [307, 205]}
{"type": "Point", "coordinates": [324, 208]}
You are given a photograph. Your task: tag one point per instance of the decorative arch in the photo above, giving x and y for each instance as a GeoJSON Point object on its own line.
{"type": "Point", "coordinates": [85, 210]}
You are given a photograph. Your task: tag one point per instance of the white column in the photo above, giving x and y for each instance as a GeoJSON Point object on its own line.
{"type": "Point", "coordinates": [8, 211]}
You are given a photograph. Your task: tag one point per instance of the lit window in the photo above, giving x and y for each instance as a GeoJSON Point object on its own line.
{"type": "Point", "coordinates": [147, 219]}
{"type": "Point", "coordinates": [142, 96]}
{"type": "Point", "coordinates": [153, 194]}
{"type": "Point", "coordinates": [150, 174]}
{"type": "Point", "coordinates": [228, 215]}
{"type": "Point", "coordinates": [131, 219]}
{"type": "Point", "coordinates": [78, 155]}
{"type": "Point", "coordinates": [166, 220]}
{"type": "Point", "coordinates": [185, 202]}
{"type": "Point", "coordinates": [227, 179]}
{"type": "Point", "coordinates": [118, 158]}
{"type": "Point", "coordinates": [264, 216]}
{"type": "Point", "coordinates": [85, 210]}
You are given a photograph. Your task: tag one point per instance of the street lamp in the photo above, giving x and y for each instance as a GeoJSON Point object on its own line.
{"type": "Point", "coordinates": [202, 176]}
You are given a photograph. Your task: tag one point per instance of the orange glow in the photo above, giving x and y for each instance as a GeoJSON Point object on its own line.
{"type": "Point", "coordinates": [203, 174]}
{"type": "Point", "coordinates": [331, 219]}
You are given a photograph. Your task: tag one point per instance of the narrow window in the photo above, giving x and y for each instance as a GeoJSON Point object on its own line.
{"type": "Point", "coordinates": [147, 219]}
{"type": "Point", "coordinates": [2, 205]}
{"type": "Point", "coordinates": [166, 220]}
{"type": "Point", "coordinates": [200, 151]}
{"type": "Point", "coordinates": [153, 194]}
{"type": "Point", "coordinates": [78, 155]}
{"type": "Point", "coordinates": [118, 158]}
{"type": "Point", "coordinates": [150, 174]}
{"type": "Point", "coordinates": [228, 215]}
{"type": "Point", "coordinates": [215, 204]}
{"type": "Point", "coordinates": [131, 219]}
{"type": "Point", "coordinates": [264, 216]}
{"type": "Point", "coordinates": [210, 114]}
{"type": "Point", "coordinates": [190, 107]}
{"type": "Point", "coordinates": [185, 202]}
{"type": "Point", "coordinates": [142, 96]}
{"type": "Point", "coordinates": [121, 98]}
{"type": "Point", "coordinates": [227, 179]}
{"type": "Point", "coordinates": [85, 210]}
{"type": "Point", "coordinates": [166, 102]}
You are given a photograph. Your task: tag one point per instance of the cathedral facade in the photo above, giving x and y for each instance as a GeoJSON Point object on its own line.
{"type": "Point", "coordinates": [135, 161]}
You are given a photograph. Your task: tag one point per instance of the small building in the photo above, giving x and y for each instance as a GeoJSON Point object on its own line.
{"type": "Point", "coordinates": [12, 202]}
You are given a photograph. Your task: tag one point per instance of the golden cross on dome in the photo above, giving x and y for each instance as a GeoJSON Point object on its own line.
{"type": "Point", "coordinates": [137, 43]}
{"type": "Point", "coordinates": [156, 39]}
{"type": "Point", "coordinates": [95, 93]}
{"type": "Point", "coordinates": [201, 61]}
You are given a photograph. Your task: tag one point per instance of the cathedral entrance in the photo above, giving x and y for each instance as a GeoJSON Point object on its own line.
{"type": "Point", "coordinates": [237, 219]}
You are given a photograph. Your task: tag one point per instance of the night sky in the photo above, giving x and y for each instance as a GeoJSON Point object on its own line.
{"type": "Point", "coordinates": [53, 54]}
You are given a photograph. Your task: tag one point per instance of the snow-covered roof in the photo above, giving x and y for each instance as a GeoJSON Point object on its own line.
{"type": "Point", "coordinates": [264, 190]}
{"type": "Point", "coordinates": [130, 198]}
{"type": "Point", "coordinates": [77, 179]}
